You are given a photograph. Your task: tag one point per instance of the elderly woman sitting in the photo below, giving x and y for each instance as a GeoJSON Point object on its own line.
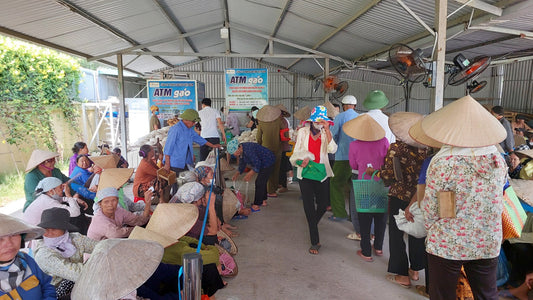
{"type": "Point", "coordinates": [20, 276]}
{"type": "Point", "coordinates": [111, 221]}
{"type": "Point", "coordinates": [50, 194]}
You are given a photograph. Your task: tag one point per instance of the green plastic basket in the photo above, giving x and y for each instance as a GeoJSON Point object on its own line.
{"type": "Point", "coordinates": [370, 196]}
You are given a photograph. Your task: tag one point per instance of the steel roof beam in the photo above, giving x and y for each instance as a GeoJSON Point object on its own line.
{"type": "Point", "coordinates": [339, 28]}
{"type": "Point", "coordinates": [278, 25]}
{"type": "Point", "coordinates": [491, 9]}
{"type": "Point", "coordinates": [171, 18]}
{"type": "Point", "coordinates": [227, 24]}
{"type": "Point", "coordinates": [247, 55]}
{"type": "Point", "coordinates": [78, 10]}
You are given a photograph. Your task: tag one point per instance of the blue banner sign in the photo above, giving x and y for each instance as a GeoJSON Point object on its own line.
{"type": "Point", "coordinates": [246, 88]}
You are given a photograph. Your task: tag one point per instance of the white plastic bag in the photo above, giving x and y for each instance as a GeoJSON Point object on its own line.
{"type": "Point", "coordinates": [416, 228]}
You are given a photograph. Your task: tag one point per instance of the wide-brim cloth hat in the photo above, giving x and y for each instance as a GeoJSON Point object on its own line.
{"type": "Point", "coordinates": [13, 226]}
{"type": "Point", "coordinates": [230, 204]}
{"type": "Point", "coordinates": [173, 220]}
{"type": "Point", "coordinates": [464, 123]}
{"type": "Point", "coordinates": [233, 145]}
{"type": "Point", "coordinates": [268, 113]}
{"type": "Point", "coordinates": [319, 113]}
{"type": "Point", "coordinates": [190, 115]}
{"type": "Point", "coordinates": [57, 218]}
{"type": "Point", "coordinates": [38, 156]}
{"type": "Point", "coordinates": [105, 193]}
{"type": "Point", "coordinates": [332, 112]}
{"type": "Point", "coordinates": [225, 166]}
{"type": "Point", "coordinates": [106, 161]}
{"type": "Point", "coordinates": [416, 133]}
{"type": "Point", "coordinates": [364, 128]}
{"type": "Point", "coordinates": [284, 110]}
{"type": "Point", "coordinates": [303, 113]}
{"type": "Point", "coordinates": [401, 122]}
{"type": "Point", "coordinates": [48, 183]}
{"type": "Point", "coordinates": [115, 178]}
{"type": "Point", "coordinates": [116, 268]}
{"type": "Point", "coordinates": [375, 100]}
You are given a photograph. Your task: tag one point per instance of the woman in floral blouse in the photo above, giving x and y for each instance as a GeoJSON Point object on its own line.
{"type": "Point", "coordinates": [470, 167]}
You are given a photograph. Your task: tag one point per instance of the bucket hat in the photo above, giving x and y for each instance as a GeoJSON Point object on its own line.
{"type": "Point", "coordinates": [12, 226]}
{"type": "Point", "coordinates": [116, 268]}
{"type": "Point", "coordinates": [375, 100]}
{"type": "Point", "coordinates": [303, 113]}
{"type": "Point", "coordinates": [401, 122]}
{"type": "Point", "coordinates": [233, 145]}
{"type": "Point", "coordinates": [105, 161]}
{"type": "Point", "coordinates": [57, 218]}
{"type": "Point", "coordinates": [115, 178]}
{"type": "Point", "coordinates": [104, 193]}
{"type": "Point", "coordinates": [417, 134]}
{"type": "Point", "coordinates": [48, 183]}
{"type": "Point", "coordinates": [464, 123]}
{"type": "Point", "coordinates": [319, 113]}
{"type": "Point", "coordinates": [284, 110]}
{"type": "Point", "coordinates": [349, 99]}
{"type": "Point", "coordinates": [38, 156]}
{"type": "Point", "coordinates": [190, 115]}
{"type": "Point", "coordinates": [332, 112]}
{"type": "Point", "coordinates": [364, 128]}
{"type": "Point", "coordinates": [268, 113]}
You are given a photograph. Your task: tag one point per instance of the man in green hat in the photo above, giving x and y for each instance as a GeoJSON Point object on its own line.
{"type": "Point", "coordinates": [375, 101]}
{"type": "Point", "coordinates": [178, 148]}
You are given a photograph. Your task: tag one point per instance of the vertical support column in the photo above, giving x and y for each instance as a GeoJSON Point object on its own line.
{"type": "Point", "coordinates": [294, 97]}
{"type": "Point", "coordinates": [122, 111]}
{"type": "Point", "coordinates": [499, 84]}
{"type": "Point", "coordinates": [84, 120]}
{"type": "Point", "coordinates": [440, 23]}
{"type": "Point", "coordinates": [192, 276]}
{"type": "Point", "coordinates": [326, 73]}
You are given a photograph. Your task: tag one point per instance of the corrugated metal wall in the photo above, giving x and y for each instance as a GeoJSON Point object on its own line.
{"type": "Point", "coordinates": [518, 87]}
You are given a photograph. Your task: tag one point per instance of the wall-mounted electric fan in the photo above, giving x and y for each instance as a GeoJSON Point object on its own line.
{"type": "Point", "coordinates": [332, 85]}
{"type": "Point", "coordinates": [465, 70]}
{"type": "Point", "coordinates": [408, 62]}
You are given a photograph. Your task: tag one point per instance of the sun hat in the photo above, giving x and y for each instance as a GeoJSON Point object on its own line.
{"type": "Point", "coordinates": [284, 110]}
{"type": "Point", "coordinates": [401, 122]}
{"type": "Point", "coordinates": [233, 145]}
{"type": "Point", "coordinates": [105, 161]}
{"type": "Point", "coordinates": [116, 268]}
{"type": "Point", "coordinates": [190, 192]}
{"type": "Point", "coordinates": [38, 156]}
{"type": "Point", "coordinates": [190, 115]}
{"type": "Point", "coordinates": [56, 218]}
{"type": "Point", "coordinates": [417, 134]}
{"type": "Point", "coordinates": [464, 123]}
{"type": "Point", "coordinates": [154, 108]}
{"type": "Point", "coordinates": [303, 113]}
{"type": "Point", "coordinates": [364, 128]}
{"type": "Point", "coordinates": [173, 220]}
{"type": "Point", "coordinates": [12, 226]}
{"type": "Point", "coordinates": [230, 204]}
{"type": "Point", "coordinates": [268, 113]}
{"type": "Point", "coordinates": [115, 178]}
{"type": "Point", "coordinates": [104, 193]}
{"type": "Point", "coordinates": [48, 183]}
{"type": "Point", "coordinates": [140, 233]}
{"type": "Point", "coordinates": [319, 113]}
{"type": "Point", "coordinates": [375, 100]}
{"type": "Point", "coordinates": [331, 111]}
{"type": "Point", "coordinates": [349, 99]}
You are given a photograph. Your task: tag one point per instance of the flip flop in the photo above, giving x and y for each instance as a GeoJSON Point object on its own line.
{"type": "Point", "coordinates": [255, 210]}
{"type": "Point", "coordinates": [421, 290]}
{"type": "Point", "coordinates": [392, 278]}
{"type": "Point", "coordinates": [239, 217]}
{"type": "Point", "coordinates": [314, 248]}
{"type": "Point", "coordinates": [365, 258]}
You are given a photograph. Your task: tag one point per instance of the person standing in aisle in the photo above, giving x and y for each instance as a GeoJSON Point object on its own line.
{"type": "Point", "coordinates": [155, 124]}
{"type": "Point", "coordinates": [211, 123]}
{"type": "Point", "coordinates": [268, 136]}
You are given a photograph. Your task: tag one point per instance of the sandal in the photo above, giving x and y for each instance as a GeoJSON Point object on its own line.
{"type": "Point", "coordinates": [413, 275]}
{"type": "Point", "coordinates": [314, 249]}
{"type": "Point", "coordinates": [392, 278]}
{"type": "Point", "coordinates": [365, 258]}
{"type": "Point", "coordinates": [421, 290]}
{"type": "Point", "coordinates": [378, 252]}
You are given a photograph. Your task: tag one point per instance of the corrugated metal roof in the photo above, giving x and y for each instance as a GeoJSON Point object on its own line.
{"type": "Point", "coordinates": [91, 28]}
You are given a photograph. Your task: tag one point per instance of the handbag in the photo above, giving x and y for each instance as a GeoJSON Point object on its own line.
{"type": "Point", "coordinates": [370, 196]}
{"type": "Point", "coordinates": [513, 215]}
{"type": "Point", "coordinates": [416, 228]}
{"type": "Point", "coordinates": [314, 171]}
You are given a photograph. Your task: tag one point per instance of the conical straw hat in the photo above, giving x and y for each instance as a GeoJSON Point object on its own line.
{"type": "Point", "coordinates": [144, 234]}
{"type": "Point", "coordinates": [303, 113]}
{"type": "Point", "coordinates": [38, 156]}
{"type": "Point", "coordinates": [401, 122]}
{"type": "Point", "coordinates": [464, 123]}
{"type": "Point", "coordinates": [116, 268]}
{"type": "Point", "coordinates": [268, 113]}
{"type": "Point", "coordinates": [173, 220]}
{"type": "Point", "coordinates": [332, 111]}
{"type": "Point", "coordinates": [225, 166]}
{"type": "Point", "coordinates": [364, 128]}
{"type": "Point", "coordinates": [105, 161]}
{"type": "Point", "coordinates": [115, 177]}
{"type": "Point", "coordinates": [528, 153]}
{"type": "Point", "coordinates": [283, 109]}
{"type": "Point", "coordinates": [229, 204]}
{"type": "Point", "coordinates": [416, 133]}
{"type": "Point", "coordinates": [13, 226]}
{"type": "Point", "coordinates": [222, 235]}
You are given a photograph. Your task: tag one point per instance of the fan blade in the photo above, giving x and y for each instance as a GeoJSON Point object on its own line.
{"type": "Point", "coordinates": [471, 72]}
{"type": "Point", "coordinates": [340, 89]}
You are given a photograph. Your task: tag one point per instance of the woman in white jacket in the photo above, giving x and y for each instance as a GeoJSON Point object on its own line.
{"type": "Point", "coordinates": [310, 155]}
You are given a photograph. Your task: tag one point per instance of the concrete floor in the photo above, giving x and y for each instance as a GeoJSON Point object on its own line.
{"type": "Point", "coordinates": [274, 262]}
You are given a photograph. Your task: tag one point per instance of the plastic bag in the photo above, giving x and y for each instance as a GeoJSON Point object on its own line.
{"type": "Point", "coordinates": [416, 228]}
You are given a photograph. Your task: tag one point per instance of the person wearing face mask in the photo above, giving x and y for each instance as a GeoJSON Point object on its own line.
{"type": "Point", "coordinates": [49, 194]}
{"type": "Point", "coordinates": [155, 124]}
{"type": "Point", "coordinates": [313, 144]}
{"type": "Point", "coordinates": [253, 118]}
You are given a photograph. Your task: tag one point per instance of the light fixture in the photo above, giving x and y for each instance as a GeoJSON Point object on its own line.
{"type": "Point", "coordinates": [224, 33]}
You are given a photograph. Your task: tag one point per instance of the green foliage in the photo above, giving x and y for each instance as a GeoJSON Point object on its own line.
{"type": "Point", "coordinates": [33, 82]}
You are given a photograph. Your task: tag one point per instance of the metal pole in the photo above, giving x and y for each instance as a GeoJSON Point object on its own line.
{"type": "Point", "coordinates": [437, 95]}
{"type": "Point", "coordinates": [326, 73]}
{"type": "Point", "coordinates": [122, 111]}
{"type": "Point", "coordinates": [192, 276]}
